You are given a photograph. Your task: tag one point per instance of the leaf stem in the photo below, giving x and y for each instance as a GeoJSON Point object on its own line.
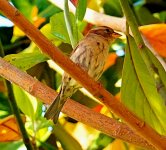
{"type": "Point", "coordinates": [132, 22]}
{"type": "Point", "coordinates": [13, 105]}
{"type": "Point", "coordinates": [68, 24]}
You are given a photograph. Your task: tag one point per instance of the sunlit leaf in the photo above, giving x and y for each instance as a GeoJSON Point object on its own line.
{"type": "Point", "coordinates": [9, 130]}
{"type": "Point", "coordinates": [66, 140]}
{"type": "Point", "coordinates": [101, 142]}
{"type": "Point", "coordinates": [58, 27]}
{"type": "Point", "coordinates": [37, 21]}
{"type": "Point", "coordinates": [95, 4]}
{"type": "Point", "coordinates": [156, 35]}
{"type": "Point", "coordinates": [26, 102]}
{"type": "Point", "coordinates": [25, 61]}
{"type": "Point", "coordinates": [139, 91]}
{"type": "Point", "coordinates": [41, 130]}
{"type": "Point", "coordinates": [46, 30]}
{"type": "Point", "coordinates": [49, 11]}
{"type": "Point", "coordinates": [118, 145]}
{"type": "Point", "coordinates": [18, 32]}
{"type": "Point", "coordinates": [11, 145]}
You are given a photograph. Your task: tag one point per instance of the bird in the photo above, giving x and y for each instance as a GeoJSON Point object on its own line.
{"type": "Point", "coordinates": [90, 54]}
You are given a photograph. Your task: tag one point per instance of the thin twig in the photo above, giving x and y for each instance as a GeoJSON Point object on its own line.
{"type": "Point", "coordinates": [81, 76]}
{"type": "Point", "coordinates": [73, 109]}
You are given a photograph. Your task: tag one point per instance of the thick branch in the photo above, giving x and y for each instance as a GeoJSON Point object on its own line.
{"type": "Point", "coordinates": [73, 109]}
{"type": "Point", "coordinates": [81, 76]}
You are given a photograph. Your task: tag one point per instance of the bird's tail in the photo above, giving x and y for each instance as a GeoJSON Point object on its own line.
{"type": "Point", "coordinates": [54, 109]}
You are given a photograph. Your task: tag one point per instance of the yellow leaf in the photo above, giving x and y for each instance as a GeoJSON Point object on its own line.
{"type": "Point", "coordinates": [95, 5]}
{"type": "Point", "coordinates": [156, 35]}
{"type": "Point", "coordinates": [117, 145]}
{"type": "Point", "coordinates": [37, 21]}
{"type": "Point", "coordinates": [18, 32]}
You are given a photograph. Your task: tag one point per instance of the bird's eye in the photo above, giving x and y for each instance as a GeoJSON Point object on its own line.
{"type": "Point", "coordinates": [107, 30]}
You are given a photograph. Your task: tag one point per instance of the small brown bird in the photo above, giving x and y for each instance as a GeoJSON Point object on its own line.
{"type": "Point", "coordinates": [90, 54]}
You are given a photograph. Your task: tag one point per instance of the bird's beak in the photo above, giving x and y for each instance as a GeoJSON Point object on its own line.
{"type": "Point", "coordinates": [116, 35]}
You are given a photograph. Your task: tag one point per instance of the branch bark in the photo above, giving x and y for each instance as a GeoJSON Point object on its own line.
{"type": "Point", "coordinates": [73, 109]}
{"type": "Point", "coordinates": [138, 125]}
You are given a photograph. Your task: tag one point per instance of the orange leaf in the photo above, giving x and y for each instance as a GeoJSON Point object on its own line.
{"type": "Point", "coordinates": [110, 60]}
{"type": "Point", "coordinates": [34, 12]}
{"type": "Point", "coordinates": [156, 35]}
{"type": "Point", "coordinates": [98, 108]}
{"type": "Point", "coordinates": [117, 144]}
{"type": "Point", "coordinates": [39, 21]}
{"type": "Point", "coordinates": [118, 96]}
{"type": "Point", "coordinates": [9, 130]}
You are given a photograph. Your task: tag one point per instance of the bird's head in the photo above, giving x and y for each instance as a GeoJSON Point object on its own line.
{"type": "Point", "coordinates": [105, 32]}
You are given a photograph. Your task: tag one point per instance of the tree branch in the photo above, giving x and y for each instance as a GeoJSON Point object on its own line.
{"type": "Point", "coordinates": [81, 76]}
{"type": "Point", "coordinates": [73, 109]}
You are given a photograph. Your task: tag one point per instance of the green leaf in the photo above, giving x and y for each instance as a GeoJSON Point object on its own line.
{"type": "Point", "coordinates": [82, 98]}
{"type": "Point", "coordinates": [70, 29]}
{"type": "Point", "coordinates": [26, 102]}
{"type": "Point", "coordinates": [81, 9]}
{"type": "Point", "coordinates": [58, 27]}
{"type": "Point", "coordinates": [41, 130]}
{"type": "Point", "coordinates": [146, 17]}
{"type": "Point", "coordinates": [41, 4]}
{"type": "Point", "coordinates": [25, 7]}
{"type": "Point", "coordinates": [49, 11]}
{"type": "Point", "coordinates": [158, 67]}
{"type": "Point", "coordinates": [46, 30]}
{"type": "Point", "coordinates": [162, 16]}
{"type": "Point", "coordinates": [139, 92]}
{"type": "Point", "coordinates": [66, 140]}
{"type": "Point", "coordinates": [25, 61]}
{"type": "Point", "coordinates": [4, 107]}
{"type": "Point", "coordinates": [100, 142]}
{"type": "Point", "coordinates": [113, 8]}
{"type": "Point", "coordinates": [12, 145]}
{"type": "Point", "coordinates": [47, 146]}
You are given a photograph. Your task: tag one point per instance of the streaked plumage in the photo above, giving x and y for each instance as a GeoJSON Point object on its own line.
{"type": "Point", "coordinates": [90, 54]}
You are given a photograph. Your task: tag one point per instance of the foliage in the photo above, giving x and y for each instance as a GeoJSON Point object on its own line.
{"type": "Point", "coordinates": [140, 91]}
